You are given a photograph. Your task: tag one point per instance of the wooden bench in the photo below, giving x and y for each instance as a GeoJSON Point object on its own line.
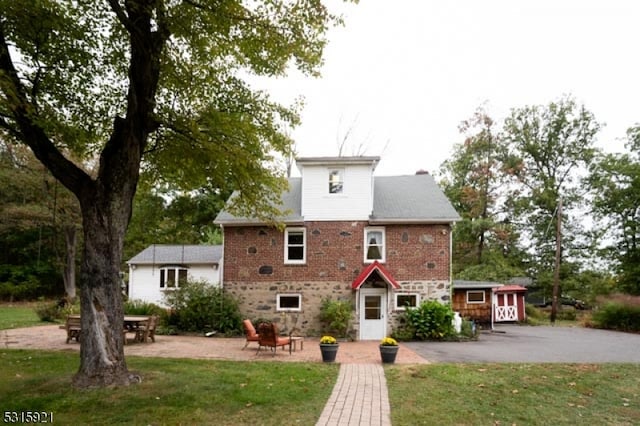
{"type": "Point", "coordinates": [73, 327]}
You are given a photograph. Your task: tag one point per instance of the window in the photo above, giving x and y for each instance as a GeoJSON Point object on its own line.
{"type": "Point", "coordinates": [294, 245]}
{"type": "Point", "coordinates": [289, 302]}
{"type": "Point", "coordinates": [336, 181]}
{"type": "Point", "coordinates": [406, 300]}
{"type": "Point", "coordinates": [475, 296]}
{"type": "Point", "coordinates": [374, 244]}
{"type": "Point", "coordinates": [172, 276]}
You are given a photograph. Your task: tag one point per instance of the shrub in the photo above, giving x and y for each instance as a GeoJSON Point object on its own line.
{"type": "Point", "coordinates": [200, 306]}
{"type": "Point", "coordinates": [336, 315]}
{"type": "Point", "coordinates": [52, 311]}
{"type": "Point", "coordinates": [618, 313]}
{"type": "Point", "coordinates": [140, 307]}
{"type": "Point", "coordinates": [431, 320]}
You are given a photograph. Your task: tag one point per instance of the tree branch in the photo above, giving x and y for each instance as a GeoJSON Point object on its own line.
{"type": "Point", "coordinates": [23, 113]}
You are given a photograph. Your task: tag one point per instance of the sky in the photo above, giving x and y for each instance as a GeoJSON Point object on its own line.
{"type": "Point", "coordinates": [400, 76]}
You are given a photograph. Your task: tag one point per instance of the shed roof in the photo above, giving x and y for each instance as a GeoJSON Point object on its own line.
{"type": "Point", "coordinates": [471, 285]}
{"type": "Point", "coordinates": [182, 254]}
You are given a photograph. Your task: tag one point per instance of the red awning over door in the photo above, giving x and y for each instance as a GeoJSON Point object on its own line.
{"type": "Point", "coordinates": [381, 270]}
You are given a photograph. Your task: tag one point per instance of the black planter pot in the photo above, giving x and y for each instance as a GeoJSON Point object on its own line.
{"type": "Point", "coordinates": [388, 354]}
{"type": "Point", "coordinates": [329, 352]}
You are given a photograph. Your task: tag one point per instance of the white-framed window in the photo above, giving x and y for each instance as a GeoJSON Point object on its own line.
{"type": "Point", "coordinates": [407, 300]}
{"type": "Point", "coordinates": [289, 302]}
{"type": "Point", "coordinates": [336, 181]}
{"type": "Point", "coordinates": [475, 296]}
{"type": "Point", "coordinates": [172, 276]}
{"type": "Point", "coordinates": [374, 245]}
{"type": "Point", "coordinates": [295, 241]}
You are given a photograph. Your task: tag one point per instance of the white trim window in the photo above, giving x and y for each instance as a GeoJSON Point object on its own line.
{"type": "Point", "coordinates": [289, 302]}
{"type": "Point", "coordinates": [336, 181]}
{"type": "Point", "coordinates": [374, 243]}
{"type": "Point", "coordinates": [475, 296]}
{"type": "Point", "coordinates": [172, 277]}
{"type": "Point", "coordinates": [406, 300]}
{"type": "Point", "coordinates": [295, 242]}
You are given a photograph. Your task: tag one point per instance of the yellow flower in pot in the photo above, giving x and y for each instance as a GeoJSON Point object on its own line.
{"type": "Point", "coordinates": [388, 350]}
{"type": "Point", "coordinates": [328, 348]}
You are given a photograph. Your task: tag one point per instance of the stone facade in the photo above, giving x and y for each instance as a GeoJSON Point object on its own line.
{"type": "Point", "coordinates": [418, 257]}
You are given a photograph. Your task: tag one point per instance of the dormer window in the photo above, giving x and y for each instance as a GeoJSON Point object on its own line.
{"type": "Point", "coordinates": [336, 181]}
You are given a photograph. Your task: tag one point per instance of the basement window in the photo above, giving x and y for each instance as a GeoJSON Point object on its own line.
{"type": "Point", "coordinates": [289, 302]}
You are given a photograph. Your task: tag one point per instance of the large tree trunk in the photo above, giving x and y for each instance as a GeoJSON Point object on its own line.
{"type": "Point", "coordinates": [105, 221]}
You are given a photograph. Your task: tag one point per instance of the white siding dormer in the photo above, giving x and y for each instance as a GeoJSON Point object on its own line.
{"type": "Point", "coordinates": [337, 188]}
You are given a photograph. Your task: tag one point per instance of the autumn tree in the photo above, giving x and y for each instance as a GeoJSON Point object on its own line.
{"type": "Point", "coordinates": [484, 242]}
{"type": "Point", "coordinates": [548, 149]}
{"type": "Point", "coordinates": [157, 84]}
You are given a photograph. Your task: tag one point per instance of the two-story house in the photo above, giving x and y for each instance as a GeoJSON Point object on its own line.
{"type": "Point", "coordinates": [382, 243]}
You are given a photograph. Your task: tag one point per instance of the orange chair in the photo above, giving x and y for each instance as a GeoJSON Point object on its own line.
{"type": "Point", "coordinates": [269, 338]}
{"type": "Point", "coordinates": [250, 333]}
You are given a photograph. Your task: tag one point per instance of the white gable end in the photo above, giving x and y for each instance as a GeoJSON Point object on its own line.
{"type": "Point", "coordinates": [337, 190]}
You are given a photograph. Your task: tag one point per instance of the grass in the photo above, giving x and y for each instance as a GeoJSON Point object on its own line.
{"type": "Point", "coordinates": [18, 315]}
{"type": "Point", "coordinates": [515, 394]}
{"type": "Point", "coordinates": [173, 391]}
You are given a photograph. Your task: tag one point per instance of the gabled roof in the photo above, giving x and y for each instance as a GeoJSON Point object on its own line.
{"type": "Point", "coordinates": [382, 271]}
{"type": "Point", "coordinates": [410, 199]}
{"type": "Point", "coordinates": [396, 199]}
{"type": "Point", "coordinates": [178, 254]}
{"type": "Point", "coordinates": [291, 202]}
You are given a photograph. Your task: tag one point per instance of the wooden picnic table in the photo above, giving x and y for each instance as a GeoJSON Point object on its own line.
{"type": "Point", "coordinates": [142, 325]}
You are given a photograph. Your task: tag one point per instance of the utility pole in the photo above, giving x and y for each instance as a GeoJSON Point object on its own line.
{"type": "Point", "coordinates": [556, 272]}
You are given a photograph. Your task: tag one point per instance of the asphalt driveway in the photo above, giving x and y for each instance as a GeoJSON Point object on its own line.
{"type": "Point", "coordinates": [514, 343]}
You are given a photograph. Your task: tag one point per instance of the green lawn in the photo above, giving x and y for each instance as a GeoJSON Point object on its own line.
{"type": "Point", "coordinates": [173, 391]}
{"type": "Point", "coordinates": [515, 394]}
{"type": "Point", "coordinates": [18, 315]}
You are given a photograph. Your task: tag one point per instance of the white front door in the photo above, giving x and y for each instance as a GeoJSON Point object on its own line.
{"type": "Point", "coordinates": [373, 309]}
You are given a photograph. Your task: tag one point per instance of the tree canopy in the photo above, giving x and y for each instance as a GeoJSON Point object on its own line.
{"type": "Point", "coordinates": [100, 90]}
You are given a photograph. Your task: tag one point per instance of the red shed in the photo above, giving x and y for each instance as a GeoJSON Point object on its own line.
{"type": "Point", "coordinates": [508, 303]}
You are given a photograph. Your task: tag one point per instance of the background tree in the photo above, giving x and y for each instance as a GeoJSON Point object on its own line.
{"type": "Point", "coordinates": [38, 223]}
{"type": "Point", "coordinates": [549, 149]}
{"type": "Point", "coordinates": [615, 183]}
{"type": "Point", "coordinates": [151, 83]}
{"type": "Point", "coordinates": [484, 241]}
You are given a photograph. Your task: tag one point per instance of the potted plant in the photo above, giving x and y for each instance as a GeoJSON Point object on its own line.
{"type": "Point", "coordinates": [388, 350]}
{"type": "Point", "coordinates": [328, 348]}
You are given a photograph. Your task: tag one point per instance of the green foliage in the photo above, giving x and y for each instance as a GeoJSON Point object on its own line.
{"type": "Point", "coordinates": [200, 306]}
{"type": "Point", "coordinates": [431, 320]}
{"type": "Point", "coordinates": [335, 315]}
{"type": "Point", "coordinates": [614, 181]}
{"type": "Point", "coordinates": [29, 281]}
{"type": "Point", "coordinates": [140, 307]}
{"type": "Point", "coordinates": [54, 311]}
{"type": "Point", "coordinates": [618, 313]}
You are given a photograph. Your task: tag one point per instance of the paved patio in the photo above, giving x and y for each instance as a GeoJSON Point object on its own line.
{"type": "Point", "coordinates": [51, 337]}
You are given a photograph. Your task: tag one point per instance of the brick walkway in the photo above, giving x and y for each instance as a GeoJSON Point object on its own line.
{"type": "Point", "coordinates": [358, 398]}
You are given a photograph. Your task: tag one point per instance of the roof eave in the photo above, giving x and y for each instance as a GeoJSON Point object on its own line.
{"type": "Point", "coordinates": [443, 221]}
